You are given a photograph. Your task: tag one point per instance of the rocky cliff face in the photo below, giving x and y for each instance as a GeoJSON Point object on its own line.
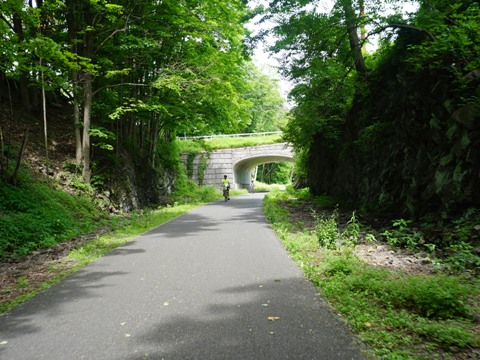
{"type": "Point", "coordinates": [135, 185]}
{"type": "Point", "coordinates": [410, 145]}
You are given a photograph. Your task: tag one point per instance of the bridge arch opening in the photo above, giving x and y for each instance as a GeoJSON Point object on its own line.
{"type": "Point", "coordinates": [244, 169]}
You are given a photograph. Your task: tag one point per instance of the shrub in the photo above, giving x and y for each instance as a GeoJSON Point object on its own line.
{"type": "Point", "coordinates": [339, 265]}
{"type": "Point", "coordinates": [402, 236]}
{"type": "Point", "coordinates": [326, 230]}
{"type": "Point", "coordinates": [432, 297]}
{"type": "Point", "coordinates": [447, 334]}
{"type": "Point", "coordinates": [439, 297]}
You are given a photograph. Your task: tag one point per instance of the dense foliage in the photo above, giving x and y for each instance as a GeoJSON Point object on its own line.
{"type": "Point", "coordinates": [275, 173]}
{"type": "Point", "coordinates": [135, 74]}
{"type": "Point", "coordinates": [395, 128]}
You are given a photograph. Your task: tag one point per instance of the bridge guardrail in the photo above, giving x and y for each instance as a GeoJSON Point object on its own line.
{"type": "Point", "coordinates": [228, 135]}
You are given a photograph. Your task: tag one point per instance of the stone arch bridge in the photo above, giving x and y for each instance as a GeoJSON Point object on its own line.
{"type": "Point", "coordinates": [239, 164]}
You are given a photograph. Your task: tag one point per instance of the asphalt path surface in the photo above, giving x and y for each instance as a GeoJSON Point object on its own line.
{"type": "Point", "coordinates": [214, 283]}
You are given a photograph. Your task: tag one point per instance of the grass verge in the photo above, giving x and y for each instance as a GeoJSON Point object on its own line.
{"type": "Point", "coordinates": [397, 314]}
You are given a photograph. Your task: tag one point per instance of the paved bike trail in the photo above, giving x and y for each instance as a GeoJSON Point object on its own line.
{"type": "Point", "coordinates": [214, 283]}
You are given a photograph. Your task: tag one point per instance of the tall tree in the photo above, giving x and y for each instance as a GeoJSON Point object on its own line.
{"type": "Point", "coordinates": [268, 111]}
{"type": "Point", "coordinates": [322, 51]}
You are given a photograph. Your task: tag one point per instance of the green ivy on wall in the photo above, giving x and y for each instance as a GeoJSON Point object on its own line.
{"type": "Point", "coordinates": [202, 166]}
{"type": "Point", "coordinates": [190, 158]}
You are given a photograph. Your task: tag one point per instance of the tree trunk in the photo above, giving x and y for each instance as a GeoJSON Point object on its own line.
{"type": "Point", "coordinates": [76, 120]}
{"type": "Point", "coordinates": [78, 134]}
{"type": "Point", "coordinates": [352, 30]}
{"type": "Point", "coordinates": [87, 117]}
{"type": "Point", "coordinates": [155, 136]}
{"type": "Point", "coordinates": [45, 129]}
{"type": "Point", "coordinates": [13, 179]}
{"type": "Point", "coordinates": [75, 12]}
{"type": "Point", "coordinates": [363, 30]}
{"type": "Point", "coordinates": [3, 163]}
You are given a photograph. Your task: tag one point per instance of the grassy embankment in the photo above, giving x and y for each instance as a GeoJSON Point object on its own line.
{"type": "Point", "coordinates": [227, 142]}
{"type": "Point", "coordinates": [399, 315]}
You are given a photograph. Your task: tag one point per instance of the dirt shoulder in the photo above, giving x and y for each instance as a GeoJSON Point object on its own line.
{"type": "Point", "coordinates": [19, 278]}
{"type": "Point", "coordinates": [375, 253]}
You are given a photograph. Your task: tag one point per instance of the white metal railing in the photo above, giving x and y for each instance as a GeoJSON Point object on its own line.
{"type": "Point", "coordinates": [228, 135]}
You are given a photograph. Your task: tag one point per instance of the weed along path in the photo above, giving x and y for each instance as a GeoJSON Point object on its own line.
{"type": "Point", "coordinates": [214, 283]}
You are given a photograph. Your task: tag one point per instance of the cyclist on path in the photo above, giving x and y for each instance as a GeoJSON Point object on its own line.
{"type": "Point", "coordinates": [226, 187]}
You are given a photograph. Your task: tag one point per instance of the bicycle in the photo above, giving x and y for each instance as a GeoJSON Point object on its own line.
{"type": "Point", "coordinates": [226, 193]}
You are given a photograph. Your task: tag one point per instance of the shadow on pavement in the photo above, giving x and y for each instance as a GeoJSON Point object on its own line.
{"type": "Point", "coordinates": [267, 320]}
{"type": "Point", "coordinates": [186, 225]}
{"type": "Point", "coordinates": [81, 285]}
